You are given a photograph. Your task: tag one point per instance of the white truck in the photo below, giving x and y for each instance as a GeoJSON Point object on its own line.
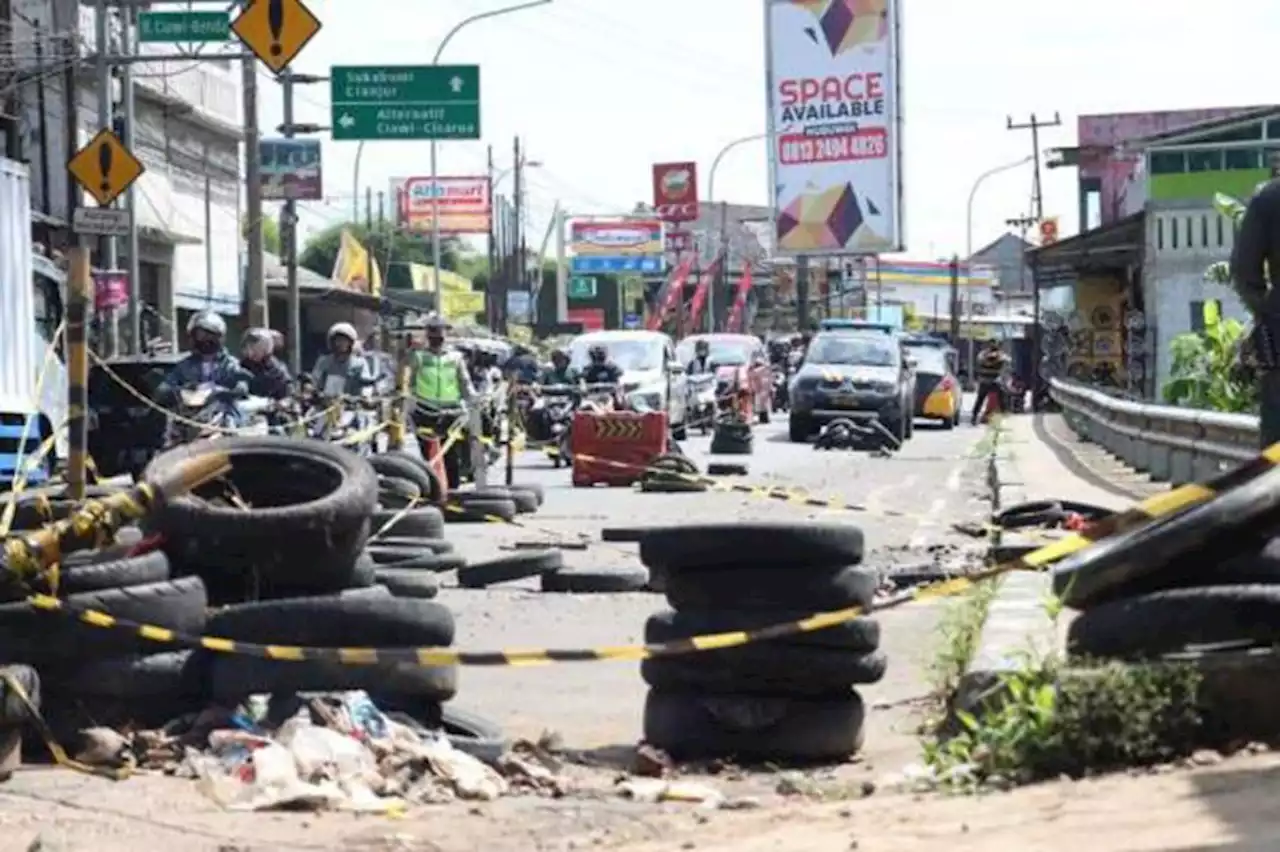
{"type": "Point", "coordinates": [33, 377]}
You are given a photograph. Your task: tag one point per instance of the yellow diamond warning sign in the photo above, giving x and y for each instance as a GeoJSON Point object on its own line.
{"type": "Point", "coordinates": [619, 427]}
{"type": "Point", "coordinates": [105, 168]}
{"type": "Point", "coordinates": [275, 31]}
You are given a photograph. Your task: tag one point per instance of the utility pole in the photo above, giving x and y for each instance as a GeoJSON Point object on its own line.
{"type": "Point", "coordinates": [492, 254]}
{"type": "Point", "coordinates": [107, 258]}
{"type": "Point", "coordinates": [721, 281]}
{"type": "Point", "coordinates": [517, 243]}
{"type": "Point", "coordinates": [955, 300]}
{"type": "Point", "coordinates": [802, 293]}
{"type": "Point", "coordinates": [130, 47]}
{"type": "Point", "coordinates": [1037, 203]}
{"type": "Point", "coordinates": [256, 286]}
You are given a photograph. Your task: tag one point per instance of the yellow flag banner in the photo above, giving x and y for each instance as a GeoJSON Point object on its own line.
{"type": "Point", "coordinates": [352, 266]}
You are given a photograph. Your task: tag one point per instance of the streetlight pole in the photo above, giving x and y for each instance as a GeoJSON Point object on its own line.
{"type": "Point", "coordinates": [435, 60]}
{"type": "Point", "coordinates": [723, 273]}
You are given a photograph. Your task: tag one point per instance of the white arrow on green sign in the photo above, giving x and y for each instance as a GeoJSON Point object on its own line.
{"type": "Point", "coordinates": [582, 287]}
{"type": "Point", "coordinates": [382, 102]}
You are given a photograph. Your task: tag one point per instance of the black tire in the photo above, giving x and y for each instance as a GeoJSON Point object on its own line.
{"type": "Point", "coordinates": [662, 485]}
{"type": "Point", "coordinates": [471, 495]}
{"type": "Point", "coordinates": [587, 582]}
{"type": "Point", "coordinates": [404, 466]}
{"type": "Point", "coordinates": [233, 678]}
{"type": "Point", "coordinates": [118, 573]}
{"type": "Point", "coordinates": [772, 589]}
{"type": "Point", "coordinates": [312, 503]}
{"type": "Point", "coordinates": [363, 573]}
{"type": "Point", "coordinates": [1170, 621]}
{"type": "Point", "coordinates": [799, 428]}
{"type": "Point", "coordinates": [438, 563]}
{"type": "Point", "coordinates": [622, 534]}
{"type": "Point", "coordinates": [766, 670]}
{"type": "Point", "coordinates": [786, 546]}
{"type": "Point", "coordinates": [1036, 513]}
{"type": "Point", "coordinates": [409, 583]}
{"type": "Point", "coordinates": [481, 512]}
{"type": "Point", "coordinates": [473, 734]}
{"type": "Point", "coordinates": [526, 501]}
{"type": "Point", "coordinates": [162, 675]}
{"type": "Point", "coordinates": [13, 710]}
{"type": "Point", "coordinates": [421, 522]}
{"type": "Point", "coordinates": [29, 635]}
{"type": "Point", "coordinates": [506, 569]}
{"type": "Point", "coordinates": [726, 469]}
{"type": "Point", "coordinates": [534, 488]}
{"type": "Point", "coordinates": [1238, 520]}
{"type": "Point", "coordinates": [328, 622]}
{"type": "Point", "coordinates": [395, 493]}
{"type": "Point", "coordinates": [418, 545]}
{"type": "Point", "coordinates": [689, 726]}
{"type": "Point", "coordinates": [858, 636]}
{"type": "Point", "coordinates": [386, 554]}
{"type": "Point", "coordinates": [125, 541]}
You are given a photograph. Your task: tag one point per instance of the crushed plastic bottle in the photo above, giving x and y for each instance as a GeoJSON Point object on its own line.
{"type": "Point", "coordinates": [367, 721]}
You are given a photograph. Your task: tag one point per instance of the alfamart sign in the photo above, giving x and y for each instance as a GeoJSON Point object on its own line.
{"type": "Point", "coordinates": [834, 125]}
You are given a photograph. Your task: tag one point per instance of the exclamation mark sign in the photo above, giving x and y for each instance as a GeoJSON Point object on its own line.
{"type": "Point", "coordinates": [275, 20]}
{"type": "Point", "coordinates": [104, 166]}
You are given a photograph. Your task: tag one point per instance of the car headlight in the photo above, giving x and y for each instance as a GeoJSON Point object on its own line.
{"type": "Point", "coordinates": [884, 387]}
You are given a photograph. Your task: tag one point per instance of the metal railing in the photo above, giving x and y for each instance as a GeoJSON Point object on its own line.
{"type": "Point", "coordinates": [1170, 444]}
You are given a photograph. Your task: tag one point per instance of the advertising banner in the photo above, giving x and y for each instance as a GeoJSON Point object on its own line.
{"type": "Point", "coordinates": [110, 290]}
{"type": "Point", "coordinates": [834, 125]}
{"type": "Point", "coordinates": [670, 295]}
{"type": "Point", "coordinates": [592, 319]}
{"type": "Point", "coordinates": [291, 170]}
{"type": "Point", "coordinates": [616, 245]}
{"type": "Point", "coordinates": [675, 191]}
{"type": "Point", "coordinates": [464, 203]}
{"type": "Point", "coordinates": [737, 314]}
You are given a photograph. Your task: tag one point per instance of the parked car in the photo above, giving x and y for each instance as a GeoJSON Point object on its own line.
{"type": "Point", "coordinates": [740, 361]}
{"type": "Point", "coordinates": [653, 378]}
{"type": "Point", "coordinates": [858, 376]}
{"type": "Point", "coordinates": [937, 395]}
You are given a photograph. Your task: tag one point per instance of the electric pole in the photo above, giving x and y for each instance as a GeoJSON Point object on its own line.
{"type": "Point", "coordinates": [1037, 206]}
{"type": "Point", "coordinates": [492, 286]}
{"type": "Point", "coordinates": [955, 300]}
{"type": "Point", "coordinates": [108, 260]}
{"type": "Point", "coordinates": [517, 242]}
{"type": "Point", "coordinates": [256, 286]}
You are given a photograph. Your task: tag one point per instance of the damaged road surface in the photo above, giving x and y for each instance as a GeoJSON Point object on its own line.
{"type": "Point", "coordinates": [575, 778]}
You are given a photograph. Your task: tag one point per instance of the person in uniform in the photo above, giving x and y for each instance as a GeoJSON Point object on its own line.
{"type": "Point", "coordinates": [1255, 273]}
{"type": "Point", "coordinates": [441, 386]}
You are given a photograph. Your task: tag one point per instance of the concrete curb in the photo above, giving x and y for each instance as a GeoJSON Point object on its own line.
{"type": "Point", "coordinates": [1018, 623]}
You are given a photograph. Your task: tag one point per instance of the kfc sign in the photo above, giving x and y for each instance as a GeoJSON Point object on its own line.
{"type": "Point", "coordinates": [675, 191]}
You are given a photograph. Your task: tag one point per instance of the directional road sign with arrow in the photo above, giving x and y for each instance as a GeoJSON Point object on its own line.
{"type": "Point", "coordinates": [382, 102]}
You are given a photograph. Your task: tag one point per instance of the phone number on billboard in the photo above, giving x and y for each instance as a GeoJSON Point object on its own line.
{"type": "Point", "coordinates": [798, 149]}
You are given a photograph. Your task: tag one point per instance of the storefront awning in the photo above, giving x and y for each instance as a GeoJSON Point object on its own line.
{"type": "Point", "coordinates": [1109, 248]}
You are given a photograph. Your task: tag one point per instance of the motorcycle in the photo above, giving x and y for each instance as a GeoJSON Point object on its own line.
{"type": "Point", "coordinates": [781, 395]}
{"type": "Point", "coordinates": [702, 400]}
{"type": "Point", "coordinates": [556, 406]}
{"type": "Point", "coordinates": [599, 398]}
{"type": "Point", "coordinates": [343, 418]}
{"type": "Point", "coordinates": [208, 410]}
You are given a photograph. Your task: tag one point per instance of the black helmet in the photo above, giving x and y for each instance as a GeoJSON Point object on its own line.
{"type": "Point", "coordinates": [559, 355]}
{"type": "Point", "coordinates": [702, 347]}
{"type": "Point", "coordinates": [598, 353]}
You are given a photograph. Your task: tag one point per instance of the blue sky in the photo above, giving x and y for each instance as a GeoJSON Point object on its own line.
{"type": "Point", "coordinates": [601, 89]}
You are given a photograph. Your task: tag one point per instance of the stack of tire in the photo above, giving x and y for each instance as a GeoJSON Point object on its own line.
{"type": "Point", "coordinates": [278, 547]}
{"type": "Point", "coordinates": [790, 698]}
{"type": "Point", "coordinates": [731, 436]}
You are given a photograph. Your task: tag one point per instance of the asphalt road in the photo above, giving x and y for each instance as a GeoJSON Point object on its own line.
{"type": "Point", "coordinates": [937, 478]}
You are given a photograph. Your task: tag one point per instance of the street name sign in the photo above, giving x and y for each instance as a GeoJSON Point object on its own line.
{"type": "Point", "coordinates": [405, 102]}
{"type": "Point", "coordinates": [175, 27]}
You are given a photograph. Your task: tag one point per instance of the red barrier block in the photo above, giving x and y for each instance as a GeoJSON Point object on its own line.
{"type": "Point", "coordinates": [627, 439]}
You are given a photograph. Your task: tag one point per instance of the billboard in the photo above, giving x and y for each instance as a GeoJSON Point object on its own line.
{"type": "Point", "coordinates": [834, 125]}
{"type": "Point", "coordinates": [675, 191]}
{"type": "Point", "coordinates": [291, 170]}
{"type": "Point", "coordinates": [616, 245]}
{"type": "Point", "coordinates": [464, 203]}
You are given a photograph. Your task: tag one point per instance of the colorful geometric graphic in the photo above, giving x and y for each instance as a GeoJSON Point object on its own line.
{"type": "Point", "coordinates": [829, 221]}
{"type": "Point", "coordinates": [846, 24]}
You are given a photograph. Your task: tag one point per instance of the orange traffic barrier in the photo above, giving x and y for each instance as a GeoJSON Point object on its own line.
{"type": "Point", "coordinates": [616, 447]}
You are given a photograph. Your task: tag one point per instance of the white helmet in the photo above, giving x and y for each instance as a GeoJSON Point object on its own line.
{"type": "Point", "coordinates": [343, 329]}
{"type": "Point", "coordinates": [208, 321]}
{"type": "Point", "coordinates": [435, 322]}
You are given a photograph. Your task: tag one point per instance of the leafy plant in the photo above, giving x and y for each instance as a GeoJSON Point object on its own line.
{"type": "Point", "coordinates": [1205, 372]}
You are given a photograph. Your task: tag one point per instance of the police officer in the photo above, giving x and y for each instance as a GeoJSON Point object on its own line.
{"type": "Point", "coordinates": [701, 362]}
{"type": "Point", "coordinates": [1255, 258]}
{"type": "Point", "coordinates": [601, 370]}
{"type": "Point", "coordinates": [990, 367]}
{"type": "Point", "coordinates": [441, 382]}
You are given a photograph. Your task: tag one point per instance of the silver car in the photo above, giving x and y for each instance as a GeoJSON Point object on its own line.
{"type": "Point", "coordinates": [858, 376]}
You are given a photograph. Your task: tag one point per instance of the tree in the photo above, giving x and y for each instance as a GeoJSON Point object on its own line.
{"type": "Point", "coordinates": [393, 249]}
{"type": "Point", "coordinates": [270, 234]}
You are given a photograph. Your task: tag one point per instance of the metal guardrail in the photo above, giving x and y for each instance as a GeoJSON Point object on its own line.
{"type": "Point", "coordinates": [1170, 444]}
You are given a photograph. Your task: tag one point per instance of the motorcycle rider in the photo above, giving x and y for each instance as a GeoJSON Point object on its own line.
{"type": "Point", "coordinates": [559, 373]}
{"type": "Point", "coordinates": [990, 368]}
{"type": "Point", "coordinates": [268, 376]}
{"type": "Point", "coordinates": [601, 370]}
{"type": "Point", "coordinates": [342, 371]}
{"type": "Point", "coordinates": [209, 361]}
{"type": "Point", "coordinates": [701, 362]}
{"type": "Point", "coordinates": [441, 381]}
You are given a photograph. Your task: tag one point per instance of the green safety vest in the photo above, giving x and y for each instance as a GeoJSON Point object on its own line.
{"type": "Point", "coordinates": [437, 378]}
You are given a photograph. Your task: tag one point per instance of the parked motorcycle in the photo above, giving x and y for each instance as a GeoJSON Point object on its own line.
{"type": "Point", "coordinates": [702, 400]}
{"type": "Point", "coordinates": [343, 418]}
{"type": "Point", "coordinates": [781, 396]}
{"type": "Point", "coordinates": [208, 410]}
{"type": "Point", "coordinates": [554, 412]}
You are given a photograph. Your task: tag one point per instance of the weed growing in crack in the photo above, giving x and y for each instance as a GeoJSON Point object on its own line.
{"type": "Point", "coordinates": [959, 630]}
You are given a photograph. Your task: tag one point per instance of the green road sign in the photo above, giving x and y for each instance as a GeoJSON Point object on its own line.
{"type": "Point", "coordinates": [184, 26]}
{"type": "Point", "coordinates": [582, 287]}
{"type": "Point", "coordinates": [380, 102]}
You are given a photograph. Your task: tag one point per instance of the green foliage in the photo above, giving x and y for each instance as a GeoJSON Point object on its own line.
{"type": "Point", "coordinates": [959, 631]}
{"type": "Point", "coordinates": [1205, 370]}
{"type": "Point", "coordinates": [1048, 721]}
{"type": "Point", "coordinates": [393, 249]}
{"type": "Point", "coordinates": [270, 234]}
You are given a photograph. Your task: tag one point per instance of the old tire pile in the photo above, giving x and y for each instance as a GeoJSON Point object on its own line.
{"type": "Point", "coordinates": [1200, 585]}
{"type": "Point", "coordinates": [790, 698]}
{"type": "Point", "coordinates": [731, 436]}
{"type": "Point", "coordinates": [493, 503]}
{"type": "Point", "coordinates": [672, 473]}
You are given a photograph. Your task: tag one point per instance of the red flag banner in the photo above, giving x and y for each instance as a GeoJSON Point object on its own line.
{"type": "Point", "coordinates": [670, 295]}
{"type": "Point", "coordinates": [699, 301]}
{"type": "Point", "coordinates": [736, 316]}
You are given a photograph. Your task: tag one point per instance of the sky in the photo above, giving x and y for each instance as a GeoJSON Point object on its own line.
{"type": "Point", "coordinates": [599, 90]}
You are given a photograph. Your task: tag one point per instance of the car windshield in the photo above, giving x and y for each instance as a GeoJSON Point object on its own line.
{"type": "Point", "coordinates": [930, 360]}
{"type": "Point", "coordinates": [852, 351]}
{"type": "Point", "coordinates": [628, 353]}
{"type": "Point", "coordinates": [726, 351]}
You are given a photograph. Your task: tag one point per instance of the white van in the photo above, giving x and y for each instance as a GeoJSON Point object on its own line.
{"type": "Point", "coordinates": [32, 295]}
